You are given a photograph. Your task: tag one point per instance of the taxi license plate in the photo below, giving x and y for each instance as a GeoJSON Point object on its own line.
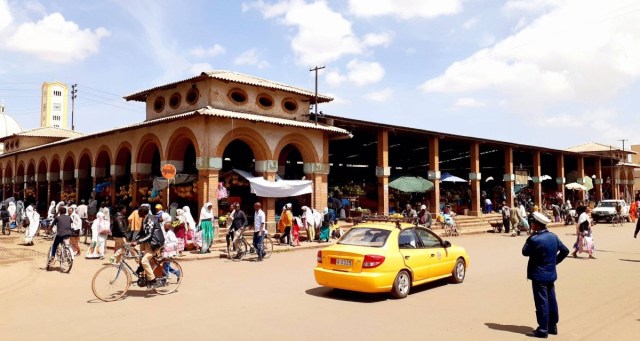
{"type": "Point", "coordinates": [345, 262]}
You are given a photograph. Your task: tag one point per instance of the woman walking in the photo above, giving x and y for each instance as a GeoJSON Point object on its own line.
{"type": "Point", "coordinates": [190, 227]}
{"type": "Point", "coordinates": [206, 224]}
{"type": "Point", "coordinates": [584, 241]}
{"type": "Point", "coordinates": [32, 229]}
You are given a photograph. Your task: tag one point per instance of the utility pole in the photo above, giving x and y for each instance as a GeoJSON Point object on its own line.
{"type": "Point", "coordinates": [315, 69]}
{"type": "Point", "coordinates": [73, 104]}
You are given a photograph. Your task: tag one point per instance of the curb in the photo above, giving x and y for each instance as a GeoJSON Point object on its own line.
{"type": "Point", "coordinates": [220, 254]}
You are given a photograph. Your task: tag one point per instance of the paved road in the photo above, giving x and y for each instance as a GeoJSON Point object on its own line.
{"type": "Point", "coordinates": [279, 300]}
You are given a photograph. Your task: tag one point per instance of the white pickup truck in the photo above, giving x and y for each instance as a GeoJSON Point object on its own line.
{"type": "Point", "coordinates": [606, 209]}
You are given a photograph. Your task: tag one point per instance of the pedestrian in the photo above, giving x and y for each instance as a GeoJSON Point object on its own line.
{"type": "Point", "coordinates": [545, 251]}
{"type": "Point", "coordinates": [151, 239]}
{"type": "Point", "coordinates": [584, 240]}
{"type": "Point", "coordinates": [308, 222]}
{"type": "Point", "coordinates": [325, 226]}
{"type": "Point", "coordinates": [135, 223]}
{"type": "Point", "coordinates": [295, 231]}
{"type": "Point", "coordinates": [635, 234]}
{"type": "Point", "coordinates": [488, 206]}
{"type": "Point", "coordinates": [76, 228]}
{"type": "Point", "coordinates": [424, 217]}
{"type": "Point", "coordinates": [92, 209]}
{"type": "Point", "coordinates": [120, 228]}
{"type": "Point", "coordinates": [506, 215]}
{"type": "Point", "coordinates": [32, 227]}
{"type": "Point", "coordinates": [237, 218]}
{"type": "Point", "coordinates": [62, 223]}
{"type": "Point", "coordinates": [191, 229]}
{"type": "Point", "coordinates": [100, 230]}
{"type": "Point", "coordinates": [170, 241]}
{"type": "Point", "coordinates": [159, 212]}
{"type": "Point", "coordinates": [260, 230]}
{"type": "Point", "coordinates": [173, 210]}
{"type": "Point", "coordinates": [206, 225]}
{"type": "Point", "coordinates": [12, 214]}
{"type": "Point", "coordinates": [556, 212]}
{"type": "Point", "coordinates": [287, 220]}
{"type": "Point", "coordinates": [523, 222]}
{"type": "Point", "coordinates": [180, 230]}
{"type": "Point", "coordinates": [409, 212]}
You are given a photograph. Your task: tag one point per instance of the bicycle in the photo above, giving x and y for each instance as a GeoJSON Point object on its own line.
{"type": "Point", "coordinates": [617, 220]}
{"type": "Point", "coordinates": [243, 247]}
{"type": "Point", "coordinates": [12, 227]}
{"type": "Point", "coordinates": [450, 228]}
{"type": "Point", "coordinates": [63, 255]}
{"type": "Point", "coordinates": [112, 281]}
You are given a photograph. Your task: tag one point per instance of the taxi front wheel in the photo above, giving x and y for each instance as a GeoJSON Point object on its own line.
{"type": "Point", "coordinates": [459, 271]}
{"type": "Point", "coordinates": [401, 285]}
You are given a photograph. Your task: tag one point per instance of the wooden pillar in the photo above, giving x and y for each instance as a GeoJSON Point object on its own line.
{"type": "Point", "coordinates": [509, 176]}
{"type": "Point", "coordinates": [77, 198]}
{"type": "Point", "coordinates": [560, 179]}
{"type": "Point", "coordinates": [434, 174]}
{"type": "Point", "coordinates": [598, 181]}
{"type": "Point", "coordinates": [475, 177]}
{"type": "Point", "coordinates": [537, 183]}
{"type": "Point", "coordinates": [383, 171]}
{"type": "Point", "coordinates": [581, 194]}
{"type": "Point", "coordinates": [114, 190]}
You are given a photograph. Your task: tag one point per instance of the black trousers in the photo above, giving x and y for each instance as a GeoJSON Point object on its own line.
{"type": "Point", "coordinates": [544, 296]}
{"type": "Point", "coordinates": [286, 234]}
{"type": "Point", "coordinates": [229, 237]}
{"type": "Point", "coordinates": [507, 224]}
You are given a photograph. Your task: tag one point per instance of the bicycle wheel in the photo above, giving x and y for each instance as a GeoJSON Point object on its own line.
{"type": "Point", "coordinates": [267, 245]}
{"type": "Point", "coordinates": [66, 260]}
{"type": "Point", "coordinates": [447, 231]}
{"type": "Point", "coordinates": [171, 279]}
{"type": "Point", "coordinates": [241, 251]}
{"type": "Point", "coordinates": [110, 282]}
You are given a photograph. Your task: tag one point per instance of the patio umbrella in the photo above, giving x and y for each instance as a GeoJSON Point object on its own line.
{"type": "Point", "coordinates": [488, 179]}
{"type": "Point", "coordinates": [446, 177]}
{"type": "Point", "coordinates": [411, 184]}
{"type": "Point", "coordinates": [588, 183]}
{"type": "Point", "coordinates": [575, 185]}
{"type": "Point", "coordinates": [545, 177]}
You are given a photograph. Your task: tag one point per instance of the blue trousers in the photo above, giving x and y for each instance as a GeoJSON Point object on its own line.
{"type": "Point", "coordinates": [544, 296]}
{"type": "Point", "coordinates": [257, 243]}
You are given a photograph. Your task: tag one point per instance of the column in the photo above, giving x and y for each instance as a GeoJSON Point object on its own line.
{"type": "Point", "coordinates": [318, 173]}
{"type": "Point", "coordinates": [597, 182]}
{"type": "Point", "coordinates": [560, 179]}
{"type": "Point", "coordinates": [434, 174]}
{"type": "Point", "coordinates": [509, 176]}
{"type": "Point", "coordinates": [580, 180]}
{"type": "Point", "coordinates": [475, 177]}
{"type": "Point", "coordinates": [383, 171]}
{"type": "Point", "coordinates": [537, 184]}
{"type": "Point", "coordinates": [208, 178]}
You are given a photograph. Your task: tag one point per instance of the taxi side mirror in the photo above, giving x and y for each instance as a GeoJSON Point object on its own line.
{"type": "Point", "coordinates": [446, 244]}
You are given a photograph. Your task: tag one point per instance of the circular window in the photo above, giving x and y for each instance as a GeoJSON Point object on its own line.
{"type": "Point", "coordinates": [158, 104]}
{"type": "Point", "coordinates": [17, 143]}
{"type": "Point", "coordinates": [174, 100]}
{"type": "Point", "coordinates": [290, 105]}
{"type": "Point", "coordinates": [192, 95]}
{"type": "Point", "coordinates": [238, 96]}
{"type": "Point", "coordinates": [265, 101]}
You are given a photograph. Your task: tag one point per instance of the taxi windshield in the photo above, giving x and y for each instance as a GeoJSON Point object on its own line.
{"type": "Point", "coordinates": [607, 204]}
{"type": "Point", "coordinates": [365, 236]}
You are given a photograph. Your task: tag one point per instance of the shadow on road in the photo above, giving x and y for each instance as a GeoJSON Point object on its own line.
{"type": "Point", "coordinates": [509, 328]}
{"type": "Point", "coordinates": [345, 295]}
{"type": "Point", "coordinates": [630, 260]}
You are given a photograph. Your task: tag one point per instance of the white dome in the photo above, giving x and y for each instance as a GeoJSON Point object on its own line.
{"type": "Point", "coordinates": [8, 125]}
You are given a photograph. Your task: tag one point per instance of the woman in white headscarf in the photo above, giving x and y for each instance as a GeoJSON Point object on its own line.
{"type": "Point", "coordinates": [206, 224]}
{"type": "Point", "coordinates": [181, 229]}
{"type": "Point", "coordinates": [309, 222]}
{"type": "Point", "coordinates": [12, 213]}
{"type": "Point", "coordinates": [32, 229]}
{"type": "Point", "coordinates": [51, 213]}
{"type": "Point", "coordinates": [99, 233]}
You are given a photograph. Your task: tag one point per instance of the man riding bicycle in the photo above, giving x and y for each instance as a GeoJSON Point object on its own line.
{"type": "Point", "coordinates": [151, 239]}
{"type": "Point", "coordinates": [63, 225]}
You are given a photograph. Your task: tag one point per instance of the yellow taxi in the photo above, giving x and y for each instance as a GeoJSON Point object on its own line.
{"type": "Point", "coordinates": [389, 257]}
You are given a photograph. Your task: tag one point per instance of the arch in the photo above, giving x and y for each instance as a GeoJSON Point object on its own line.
{"type": "Point", "coordinates": [183, 146]}
{"type": "Point", "coordinates": [69, 162]}
{"type": "Point", "coordinates": [302, 144]}
{"type": "Point", "coordinates": [122, 151]}
{"type": "Point", "coordinates": [20, 169]}
{"type": "Point", "coordinates": [103, 154]}
{"type": "Point", "coordinates": [31, 169]}
{"type": "Point", "coordinates": [42, 166]}
{"type": "Point", "coordinates": [147, 144]}
{"type": "Point", "coordinates": [54, 165]}
{"type": "Point", "coordinates": [84, 163]}
{"type": "Point", "coordinates": [252, 138]}
{"type": "Point", "coordinates": [83, 154]}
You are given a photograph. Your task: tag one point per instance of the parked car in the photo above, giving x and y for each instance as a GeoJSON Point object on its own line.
{"type": "Point", "coordinates": [389, 257]}
{"type": "Point", "coordinates": [606, 209]}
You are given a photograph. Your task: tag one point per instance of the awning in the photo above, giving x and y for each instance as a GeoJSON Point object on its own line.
{"type": "Point", "coordinates": [276, 189]}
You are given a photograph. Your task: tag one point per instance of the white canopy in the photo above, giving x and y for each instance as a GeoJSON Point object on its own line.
{"type": "Point", "coordinates": [276, 189]}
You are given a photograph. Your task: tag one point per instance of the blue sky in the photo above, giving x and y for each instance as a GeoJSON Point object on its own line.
{"type": "Point", "coordinates": [555, 73]}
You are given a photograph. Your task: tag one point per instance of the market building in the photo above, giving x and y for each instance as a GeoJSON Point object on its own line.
{"type": "Point", "coordinates": [219, 126]}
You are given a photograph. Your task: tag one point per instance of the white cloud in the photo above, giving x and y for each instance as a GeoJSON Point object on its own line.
{"type": "Point", "coordinates": [56, 40]}
{"type": "Point", "coordinates": [468, 102]}
{"type": "Point", "coordinates": [35, 7]}
{"type": "Point", "coordinates": [568, 54]}
{"type": "Point", "coordinates": [5, 15]}
{"type": "Point", "coordinates": [380, 96]}
{"type": "Point", "coordinates": [469, 24]}
{"type": "Point", "coordinates": [601, 122]}
{"type": "Point", "coordinates": [359, 73]}
{"type": "Point", "coordinates": [322, 34]}
{"type": "Point", "coordinates": [212, 51]}
{"type": "Point", "coordinates": [251, 57]}
{"type": "Point", "coordinates": [404, 9]}
{"type": "Point", "coordinates": [198, 68]}
{"type": "Point", "coordinates": [377, 39]}
{"type": "Point", "coordinates": [530, 6]}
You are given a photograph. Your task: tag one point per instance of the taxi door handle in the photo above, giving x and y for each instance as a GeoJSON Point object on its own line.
{"type": "Point", "coordinates": [433, 255]}
{"type": "Point", "coordinates": [407, 257]}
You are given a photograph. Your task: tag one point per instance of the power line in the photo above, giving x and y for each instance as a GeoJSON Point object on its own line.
{"type": "Point", "coordinates": [106, 92]}
{"type": "Point", "coordinates": [113, 105]}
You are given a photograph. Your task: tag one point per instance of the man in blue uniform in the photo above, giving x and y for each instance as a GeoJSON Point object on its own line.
{"type": "Point", "coordinates": [545, 251]}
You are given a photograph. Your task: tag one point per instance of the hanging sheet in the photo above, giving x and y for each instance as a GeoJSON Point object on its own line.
{"type": "Point", "coordinates": [276, 189]}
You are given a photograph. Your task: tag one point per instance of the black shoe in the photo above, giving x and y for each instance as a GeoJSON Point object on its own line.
{"type": "Point", "coordinates": [537, 334]}
{"type": "Point", "coordinates": [553, 330]}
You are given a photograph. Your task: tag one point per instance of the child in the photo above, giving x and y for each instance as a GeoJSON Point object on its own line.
{"type": "Point", "coordinates": [296, 231]}
{"type": "Point", "coordinates": [170, 241]}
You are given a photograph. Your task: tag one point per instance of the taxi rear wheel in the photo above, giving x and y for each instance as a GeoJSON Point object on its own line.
{"type": "Point", "coordinates": [401, 285]}
{"type": "Point", "coordinates": [459, 272]}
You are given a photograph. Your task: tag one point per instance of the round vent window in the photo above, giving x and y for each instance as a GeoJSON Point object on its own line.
{"type": "Point", "coordinates": [238, 96]}
{"type": "Point", "coordinates": [192, 95]}
{"type": "Point", "coordinates": [265, 101]}
{"type": "Point", "coordinates": [290, 105]}
{"type": "Point", "coordinates": [174, 100]}
{"type": "Point", "coordinates": [158, 104]}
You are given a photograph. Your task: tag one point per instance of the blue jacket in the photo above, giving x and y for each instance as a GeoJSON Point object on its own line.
{"type": "Point", "coordinates": [544, 250]}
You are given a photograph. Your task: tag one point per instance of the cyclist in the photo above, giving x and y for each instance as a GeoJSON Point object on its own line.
{"type": "Point", "coordinates": [259, 230]}
{"type": "Point", "coordinates": [151, 239]}
{"type": "Point", "coordinates": [238, 225]}
{"type": "Point", "coordinates": [63, 225]}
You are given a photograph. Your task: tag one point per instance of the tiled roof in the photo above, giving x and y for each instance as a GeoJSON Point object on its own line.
{"type": "Point", "coordinates": [596, 147]}
{"type": "Point", "coordinates": [47, 132]}
{"type": "Point", "coordinates": [235, 77]}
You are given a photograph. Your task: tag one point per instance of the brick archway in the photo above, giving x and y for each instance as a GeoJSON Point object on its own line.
{"type": "Point", "coordinates": [252, 138]}
{"type": "Point", "coordinates": [302, 144]}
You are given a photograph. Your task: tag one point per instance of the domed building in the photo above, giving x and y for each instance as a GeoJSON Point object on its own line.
{"type": "Point", "coordinates": [8, 126]}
